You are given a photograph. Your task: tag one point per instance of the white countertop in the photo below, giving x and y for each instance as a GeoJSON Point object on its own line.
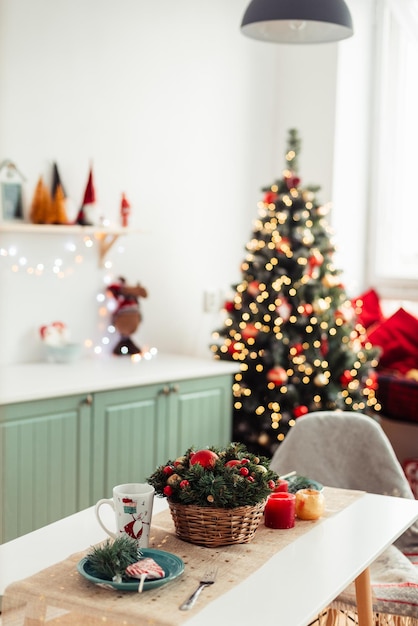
{"type": "Point", "coordinates": [36, 381]}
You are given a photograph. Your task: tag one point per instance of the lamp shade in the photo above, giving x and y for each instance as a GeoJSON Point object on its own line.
{"type": "Point", "coordinates": [297, 21]}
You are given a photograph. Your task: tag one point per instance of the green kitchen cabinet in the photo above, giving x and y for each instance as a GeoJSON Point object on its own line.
{"type": "Point", "coordinates": [45, 462]}
{"type": "Point", "coordinates": [136, 429]}
{"type": "Point", "coordinates": [60, 455]}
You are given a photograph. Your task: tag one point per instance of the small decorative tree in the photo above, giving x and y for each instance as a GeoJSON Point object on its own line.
{"type": "Point", "coordinates": [290, 325]}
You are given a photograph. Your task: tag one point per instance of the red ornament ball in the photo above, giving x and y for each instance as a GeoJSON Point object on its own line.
{"type": "Point", "coordinates": [307, 309]}
{"type": "Point", "coordinates": [292, 181]}
{"type": "Point", "coordinates": [297, 348]}
{"type": "Point", "coordinates": [346, 377]}
{"type": "Point", "coordinates": [205, 458]}
{"type": "Point", "coordinates": [250, 331]}
{"type": "Point", "coordinates": [254, 288]}
{"type": "Point", "coordinates": [270, 196]}
{"type": "Point", "coordinates": [232, 463]}
{"type": "Point", "coordinates": [277, 375]}
{"type": "Point", "coordinates": [372, 380]}
{"type": "Point", "coordinates": [300, 410]}
{"type": "Point", "coordinates": [229, 306]}
{"type": "Point", "coordinates": [233, 347]}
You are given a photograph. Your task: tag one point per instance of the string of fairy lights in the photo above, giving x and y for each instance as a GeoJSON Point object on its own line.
{"type": "Point", "coordinates": [71, 258]}
{"type": "Point", "coordinates": [260, 312]}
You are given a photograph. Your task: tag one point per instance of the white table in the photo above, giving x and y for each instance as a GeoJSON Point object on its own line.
{"type": "Point", "coordinates": [291, 588]}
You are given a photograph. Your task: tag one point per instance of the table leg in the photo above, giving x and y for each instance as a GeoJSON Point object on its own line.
{"type": "Point", "coordinates": [364, 598]}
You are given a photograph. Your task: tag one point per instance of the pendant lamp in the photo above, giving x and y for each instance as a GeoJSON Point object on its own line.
{"type": "Point", "coordinates": [297, 21]}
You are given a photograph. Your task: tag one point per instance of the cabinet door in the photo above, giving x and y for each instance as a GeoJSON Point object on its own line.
{"type": "Point", "coordinates": [45, 459]}
{"type": "Point", "coordinates": [124, 437]}
{"type": "Point", "coordinates": [199, 415]}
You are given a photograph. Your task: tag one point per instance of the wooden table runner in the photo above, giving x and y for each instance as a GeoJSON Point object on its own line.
{"type": "Point", "coordinates": [60, 595]}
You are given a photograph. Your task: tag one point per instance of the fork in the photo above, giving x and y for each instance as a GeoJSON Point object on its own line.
{"type": "Point", "coordinates": [208, 579]}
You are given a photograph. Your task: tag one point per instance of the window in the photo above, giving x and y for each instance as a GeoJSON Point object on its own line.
{"type": "Point", "coordinates": [393, 260]}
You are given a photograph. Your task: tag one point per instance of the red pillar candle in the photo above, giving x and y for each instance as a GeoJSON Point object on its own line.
{"type": "Point", "coordinates": [281, 485]}
{"type": "Point", "coordinates": [279, 511]}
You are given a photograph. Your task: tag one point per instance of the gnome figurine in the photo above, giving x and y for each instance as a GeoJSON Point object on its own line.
{"type": "Point", "coordinates": [127, 316]}
{"type": "Point", "coordinates": [87, 215]}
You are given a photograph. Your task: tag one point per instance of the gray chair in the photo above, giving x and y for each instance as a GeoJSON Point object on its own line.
{"type": "Point", "coordinates": [351, 451]}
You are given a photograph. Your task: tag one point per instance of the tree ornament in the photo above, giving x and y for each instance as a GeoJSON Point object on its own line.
{"type": "Point", "coordinates": [324, 345]}
{"type": "Point", "coordinates": [346, 378]}
{"type": "Point", "coordinates": [249, 331]}
{"type": "Point", "coordinates": [277, 375]}
{"type": "Point", "coordinates": [306, 309]}
{"type": "Point", "coordinates": [292, 182]}
{"type": "Point", "coordinates": [229, 306]}
{"type": "Point", "coordinates": [300, 410]}
{"type": "Point", "coordinates": [372, 380]}
{"type": "Point", "coordinates": [234, 347]}
{"type": "Point", "coordinates": [283, 245]}
{"type": "Point", "coordinates": [254, 288]}
{"type": "Point", "coordinates": [297, 348]}
{"type": "Point", "coordinates": [269, 197]}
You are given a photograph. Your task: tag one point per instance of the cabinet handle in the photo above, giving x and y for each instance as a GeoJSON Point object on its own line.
{"type": "Point", "coordinates": [165, 390]}
{"type": "Point", "coordinates": [88, 400]}
{"type": "Point", "coordinates": [174, 388]}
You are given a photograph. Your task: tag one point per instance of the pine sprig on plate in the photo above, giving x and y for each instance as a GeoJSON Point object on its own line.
{"type": "Point", "coordinates": [110, 560]}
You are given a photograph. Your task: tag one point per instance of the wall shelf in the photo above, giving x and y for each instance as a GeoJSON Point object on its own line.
{"type": "Point", "coordinates": [105, 236]}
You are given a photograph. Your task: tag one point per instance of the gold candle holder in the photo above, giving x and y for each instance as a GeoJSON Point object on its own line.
{"type": "Point", "coordinates": [310, 504]}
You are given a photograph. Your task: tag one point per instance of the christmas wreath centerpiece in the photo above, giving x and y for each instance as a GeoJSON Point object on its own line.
{"type": "Point", "coordinates": [216, 496]}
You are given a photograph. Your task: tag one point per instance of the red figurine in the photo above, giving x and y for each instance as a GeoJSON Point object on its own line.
{"type": "Point", "coordinates": [125, 211]}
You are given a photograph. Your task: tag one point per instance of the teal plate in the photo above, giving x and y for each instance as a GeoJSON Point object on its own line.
{"type": "Point", "coordinates": [301, 482]}
{"type": "Point", "coordinates": [172, 565]}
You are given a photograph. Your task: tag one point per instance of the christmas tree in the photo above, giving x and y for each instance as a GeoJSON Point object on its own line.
{"type": "Point", "coordinates": [290, 325]}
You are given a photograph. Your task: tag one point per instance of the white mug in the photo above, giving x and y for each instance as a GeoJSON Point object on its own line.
{"type": "Point", "coordinates": [132, 504]}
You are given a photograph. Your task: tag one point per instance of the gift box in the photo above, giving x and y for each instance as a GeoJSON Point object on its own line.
{"type": "Point", "coordinates": [398, 397]}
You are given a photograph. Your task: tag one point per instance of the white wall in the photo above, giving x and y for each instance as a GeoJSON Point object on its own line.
{"type": "Point", "coordinates": [179, 110]}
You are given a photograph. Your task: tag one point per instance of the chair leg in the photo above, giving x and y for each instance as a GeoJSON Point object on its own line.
{"type": "Point", "coordinates": [332, 617]}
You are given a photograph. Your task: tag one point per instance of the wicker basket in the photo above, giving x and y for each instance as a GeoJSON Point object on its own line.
{"type": "Point", "coordinates": [215, 527]}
